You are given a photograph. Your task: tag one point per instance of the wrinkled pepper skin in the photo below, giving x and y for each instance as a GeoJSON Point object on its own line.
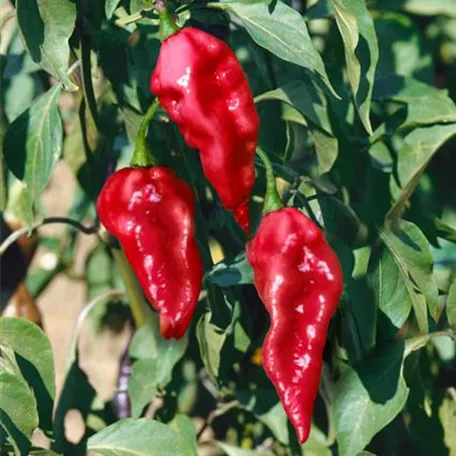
{"type": "Point", "coordinates": [201, 84]}
{"type": "Point", "coordinates": [299, 279]}
{"type": "Point", "coordinates": [151, 212]}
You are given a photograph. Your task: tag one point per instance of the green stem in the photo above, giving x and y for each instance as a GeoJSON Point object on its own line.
{"type": "Point", "coordinates": [167, 25]}
{"type": "Point", "coordinates": [142, 156]}
{"type": "Point", "coordinates": [138, 304]}
{"type": "Point", "coordinates": [271, 198]}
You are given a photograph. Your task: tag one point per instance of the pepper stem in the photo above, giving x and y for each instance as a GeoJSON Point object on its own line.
{"type": "Point", "coordinates": [142, 156]}
{"type": "Point", "coordinates": [167, 26]}
{"type": "Point", "coordinates": [271, 197]}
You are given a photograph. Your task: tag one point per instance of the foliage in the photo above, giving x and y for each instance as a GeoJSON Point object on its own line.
{"type": "Point", "coordinates": [358, 115]}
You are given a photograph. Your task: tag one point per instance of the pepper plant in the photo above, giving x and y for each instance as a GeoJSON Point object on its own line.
{"type": "Point", "coordinates": [270, 193]}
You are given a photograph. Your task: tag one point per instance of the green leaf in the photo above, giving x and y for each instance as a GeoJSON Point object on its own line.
{"type": "Point", "coordinates": [447, 414]}
{"type": "Point", "coordinates": [312, 104]}
{"type": "Point", "coordinates": [210, 340]}
{"type": "Point", "coordinates": [46, 28]}
{"type": "Point", "coordinates": [306, 99]}
{"type": "Point", "coordinates": [185, 427]}
{"type": "Point", "coordinates": [140, 437]}
{"type": "Point", "coordinates": [396, 87]}
{"type": "Point", "coordinates": [361, 51]}
{"type": "Point", "coordinates": [33, 145]}
{"type": "Point", "coordinates": [156, 358]}
{"type": "Point", "coordinates": [390, 291]}
{"type": "Point", "coordinates": [3, 174]}
{"type": "Point", "coordinates": [368, 397]}
{"type": "Point", "coordinates": [18, 411]}
{"type": "Point", "coordinates": [420, 111]}
{"type": "Point", "coordinates": [417, 149]}
{"type": "Point", "coordinates": [411, 252]}
{"type": "Point", "coordinates": [110, 7]}
{"type": "Point", "coordinates": [141, 390]}
{"type": "Point", "coordinates": [231, 450]}
{"type": "Point", "coordinates": [34, 356]}
{"type": "Point", "coordinates": [227, 274]}
{"type": "Point", "coordinates": [422, 7]}
{"type": "Point", "coordinates": [451, 305]}
{"type": "Point", "coordinates": [281, 31]}
{"type": "Point", "coordinates": [402, 49]}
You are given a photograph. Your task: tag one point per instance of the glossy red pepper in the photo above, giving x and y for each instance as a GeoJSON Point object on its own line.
{"type": "Point", "coordinates": [151, 212]}
{"type": "Point", "coordinates": [299, 279]}
{"type": "Point", "coordinates": [201, 84]}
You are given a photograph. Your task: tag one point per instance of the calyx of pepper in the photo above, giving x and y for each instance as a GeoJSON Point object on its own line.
{"type": "Point", "coordinates": [272, 200]}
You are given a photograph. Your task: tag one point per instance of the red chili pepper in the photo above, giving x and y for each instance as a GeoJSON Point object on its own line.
{"type": "Point", "coordinates": [201, 84]}
{"type": "Point", "coordinates": [151, 212]}
{"type": "Point", "coordinates": [299, 279]}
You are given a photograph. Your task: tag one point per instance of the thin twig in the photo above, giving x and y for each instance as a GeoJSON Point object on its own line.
{"type": "Point", "coordinates": [13, 237]}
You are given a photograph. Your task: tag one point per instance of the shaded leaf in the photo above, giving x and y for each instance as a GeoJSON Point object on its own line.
{"type": "Point", "coordinates": [46, 28]}
{"type": "Point", "coordinates": [33, 145]}
{"type": "Point", "coordinates": [361, 51]}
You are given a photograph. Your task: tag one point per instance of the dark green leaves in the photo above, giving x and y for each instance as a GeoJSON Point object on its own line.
{"type": "Point", "coordinates": [33, 144]}
{"type": "Point", "coordinates": [46, 28]}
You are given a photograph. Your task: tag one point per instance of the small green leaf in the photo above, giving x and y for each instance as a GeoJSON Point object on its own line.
{"type": "Point", "coordinates": [33, 144]}
{"type": "Point", "coordinates": [451, 305]}
{"type": "Point", "coordinates": [422, 111]}
{"type": "Point", "coordinates": [141, 387]}
{"type": "Point", "coordinates": [157, 356]}
{"type": "Point", "coordinates": [368, 397]}
{"type": "Point", "coordinates": [413, 156]}
{"type": "Point", "coordinates": [140, 437]}
{"type": "Point", "coordinates": [309, 101]}
{"type": "Point", "coordinates": [46, 28]}
{"type": "Point", "coordinates": [185, 427]}
{"type": "Point", "coordinates": [361, 51]}
{"type": "Point", "coordinates": [447, 415]}
{"type": "Point", "coordinates": [411, 252]}
{"type": "Point", "coordinates": [210, 340]}
{"type": "Point", "coordinates": [390, 291]}
{"type": "Point", "coordinates": [34, 355]}
{"type": "Point", "coordinates": [396, 87]}
{"type": "Point", "coordinates": [18, 411]}
{"type": "Point", "coordinates": [282, 31]}
{"type": "Point", "coordinates": [228, 274]}
{"type": "Point", "coordinates": [110, 7]}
